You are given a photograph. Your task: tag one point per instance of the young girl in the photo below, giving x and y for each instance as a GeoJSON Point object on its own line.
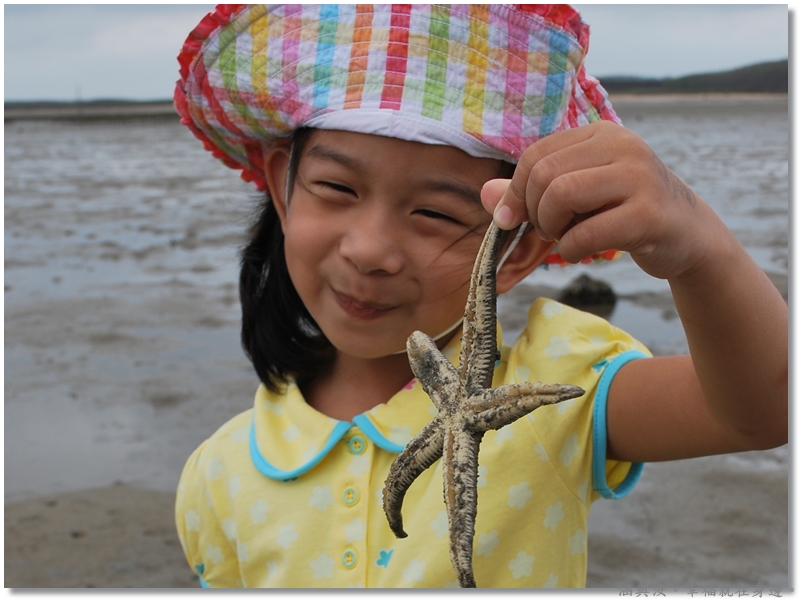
{"type": "Point", "coordinates": [385, 137]}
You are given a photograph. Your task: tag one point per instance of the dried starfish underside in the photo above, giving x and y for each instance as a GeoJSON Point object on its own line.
{"type": "Point", "coordinates": [467, 408]}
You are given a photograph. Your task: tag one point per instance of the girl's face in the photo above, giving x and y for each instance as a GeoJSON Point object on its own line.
{"type": "Point", "coordinates": [381, 236]}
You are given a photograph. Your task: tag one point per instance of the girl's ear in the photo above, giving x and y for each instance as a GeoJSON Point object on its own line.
{"type": "Point", "coordinates": [530, 252]}
{"type": "Point", "coordinates": [276, 165]}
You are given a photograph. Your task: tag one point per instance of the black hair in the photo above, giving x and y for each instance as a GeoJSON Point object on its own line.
{"type": "Point", "coordinates": [278, 334]}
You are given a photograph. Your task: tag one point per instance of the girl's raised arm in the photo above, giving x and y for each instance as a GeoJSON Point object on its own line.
{"type": "Point", "coordinates": [599, 187]}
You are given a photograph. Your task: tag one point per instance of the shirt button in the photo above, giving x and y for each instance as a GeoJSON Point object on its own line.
{"type": "Point", "coordinates": [357, 445]}
{"type": "Point", "coordinates": [349, 558]}
{"type": "Point", "coordinates": [350, 496]}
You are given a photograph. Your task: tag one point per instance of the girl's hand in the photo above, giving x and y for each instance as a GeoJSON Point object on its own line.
{"type": "Point", "coordinates": [599, 187]}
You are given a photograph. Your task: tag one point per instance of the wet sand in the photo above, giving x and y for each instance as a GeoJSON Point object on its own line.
{"type": "Point", "coordinates": [708, 522]}
{"type": "Point", "coordinates": [711, 522]}
{"type": "Point", "coordinates": [122, 354]}
{"type": "Point", "coordinates": [109, 537]}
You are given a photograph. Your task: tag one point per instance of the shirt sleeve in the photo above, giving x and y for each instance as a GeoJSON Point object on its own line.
{"type": "Point", "coordinates": [563, 345]}
{"type": "Point", "coordinates": [201, 522]}
{"type": "Point", "coordinates": [608, 472]}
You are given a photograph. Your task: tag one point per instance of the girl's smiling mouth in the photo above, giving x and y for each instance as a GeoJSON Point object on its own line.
{"type": "Point", "coordinates": [361, 309]}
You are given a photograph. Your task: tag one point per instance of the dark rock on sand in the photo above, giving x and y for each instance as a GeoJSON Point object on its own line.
{"type": "Point", "coordinates": [590, 295]}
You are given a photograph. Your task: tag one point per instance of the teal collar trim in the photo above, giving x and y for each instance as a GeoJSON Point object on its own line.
{"type": "Point", "coordinates": [361, 421]}
{"type": "Point", "coordinates": [364, 423]}
{"type": "Point", "coordinates": [311, 436]}
{"type": "Point", "coordinates": [271, 471]}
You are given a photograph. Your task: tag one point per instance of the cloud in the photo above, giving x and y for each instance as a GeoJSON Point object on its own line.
{"type": "Point", "coordinates": [681, 39]}
{"type": "Point", "coordinates": [129, 51]}
{"type": "Point", "coordinates": [101, 51]}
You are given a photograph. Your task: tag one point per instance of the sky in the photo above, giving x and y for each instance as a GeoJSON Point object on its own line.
{"type": "Point", "coordinates": [95, 51]}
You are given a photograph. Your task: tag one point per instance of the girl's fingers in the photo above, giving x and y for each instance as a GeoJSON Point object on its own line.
{"type": "Point", "coordinates": [599, 187]}
{"type": "Point", "coordinates": [603, 231]}
{"type": "Point", "coordinates": [573, 197]}
{"type": "Point", "coordinates": [641, 229]}
{"type": "Point", "coordinates": [545, 161]}
{"type": "Point", "coordinates": [492, 192]}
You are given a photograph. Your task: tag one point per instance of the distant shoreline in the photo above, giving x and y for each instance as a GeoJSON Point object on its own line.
{"type": "Point", "coordinates": [89, 111]}
{"type": "Point", "coordinates": [117, 110]}
{"type": "Point", "coordinates": [695, 96]}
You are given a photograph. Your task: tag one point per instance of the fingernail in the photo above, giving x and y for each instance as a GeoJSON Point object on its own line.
{"type": "Point", "coordinates": [542, 235]}
{"type": "Point", "coordinates": [504, 218]}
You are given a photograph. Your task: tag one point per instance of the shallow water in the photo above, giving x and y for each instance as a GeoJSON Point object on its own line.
{"type": "Point", "coordinates": [121, 314]}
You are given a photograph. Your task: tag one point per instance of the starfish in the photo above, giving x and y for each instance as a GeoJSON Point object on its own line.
{"type": "Point", "coordinates": [467, 408]}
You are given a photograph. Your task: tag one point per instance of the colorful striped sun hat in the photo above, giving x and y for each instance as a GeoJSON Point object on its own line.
{"type": "Point", "coordinates": [487, 79]}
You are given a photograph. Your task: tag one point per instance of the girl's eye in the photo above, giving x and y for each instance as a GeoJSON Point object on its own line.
{"type": "Point", "coordinates": [436, 215]}
{"type": "Point", "coordinates": [337, 187]}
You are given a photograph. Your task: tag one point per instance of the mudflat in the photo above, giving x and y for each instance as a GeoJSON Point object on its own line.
{"type": "Point", "coordinates": [122, 350]}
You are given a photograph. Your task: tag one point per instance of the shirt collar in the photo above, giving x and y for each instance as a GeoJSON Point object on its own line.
{"type": "Point", "coordinates": [288, 437]}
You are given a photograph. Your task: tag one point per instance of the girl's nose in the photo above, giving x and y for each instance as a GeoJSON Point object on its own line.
{"type": "Point", "coordinates": [371, 246]}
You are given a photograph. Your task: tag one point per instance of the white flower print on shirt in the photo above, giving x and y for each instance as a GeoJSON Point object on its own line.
{"type": "Point", "coordinates": [214, 554]}
{"type": "Point", "coordinates": [275, 408]}
{"type": "Point", "coordinates": [214, 468]}
{"type": "Point", "coordinates": [234, 486]}
{"type": "Point", "coordinates": [563, 406]}
{"type": "Point", "coordinates": [440, 525]}
{"type": "Point", "coordinates": [552, 308]}
{"type": "Point", "coordinates": [598, 339]}
{"type": "Point", "coordinates": [571, 448]}
{"type": "Point", "coordinates": [291, 434]}
{"type": "Point", "coordinates": [287, 535]}
{"type": "Point", "coordinates": [355, 531]}
{"type": "Point", "coordinates": [578, 542]}
{"type": "Point", "coordinates": [229, 527]}
{"type": "Point", "coordinates": [481, 476]}
{"type": "Point", "coordinates": [521, 566]}
{"type": "Point", "coordinates": [311, 452]}
{"type": "Point", "coordinates": [414, 573]}
{"type": "Point", "coordinates": [259, 512]}
{"type": "Point", "coordinates": [322, 567]}
{"type": "Point", "coordinates": [555, 514]}
{"type": "Point", "coordinates": [322, 498]}
{"type": "Point", "coordinates": [518, 495]}
{"type": "Point", "coordinates": [360, 465]}
{"type": "Point", "coordinates": [240, 435]}
{"type": "Point", "coordinates": [504, 433]}
{"type": "Point", "coordinates": [400, 434]}
{"type": "Point", "coordinates": [487, 543]}
{"type": "Point", "coordinates": [192, 520]}
{"type": "Point", "coordinates": [583, 490]}
{"type": "Point", "coordinates": [558, 347]}
{"type": "Point", "coordinates": [540, 451]}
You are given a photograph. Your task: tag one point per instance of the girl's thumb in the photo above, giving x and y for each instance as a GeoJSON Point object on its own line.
{"type": "Point", "coordinates": [492, 195]}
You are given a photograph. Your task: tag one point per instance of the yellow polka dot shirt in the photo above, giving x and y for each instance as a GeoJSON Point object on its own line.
{"type": "Point", "coordinates": [283, 496]}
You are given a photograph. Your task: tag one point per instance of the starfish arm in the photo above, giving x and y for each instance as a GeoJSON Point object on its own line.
{"type": "Point", "coordinates": [467, 408]}
{"type": "Point", "coordinates": [498, 407]}
{"type": "Point", "coordinates": [419, 454]}
{"type": "Point", "coordinates": [435, 373]}
{"type": "Point", "coordinates": [479, 349]}
{"type": "Point", "coordinates": [461, 450]}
